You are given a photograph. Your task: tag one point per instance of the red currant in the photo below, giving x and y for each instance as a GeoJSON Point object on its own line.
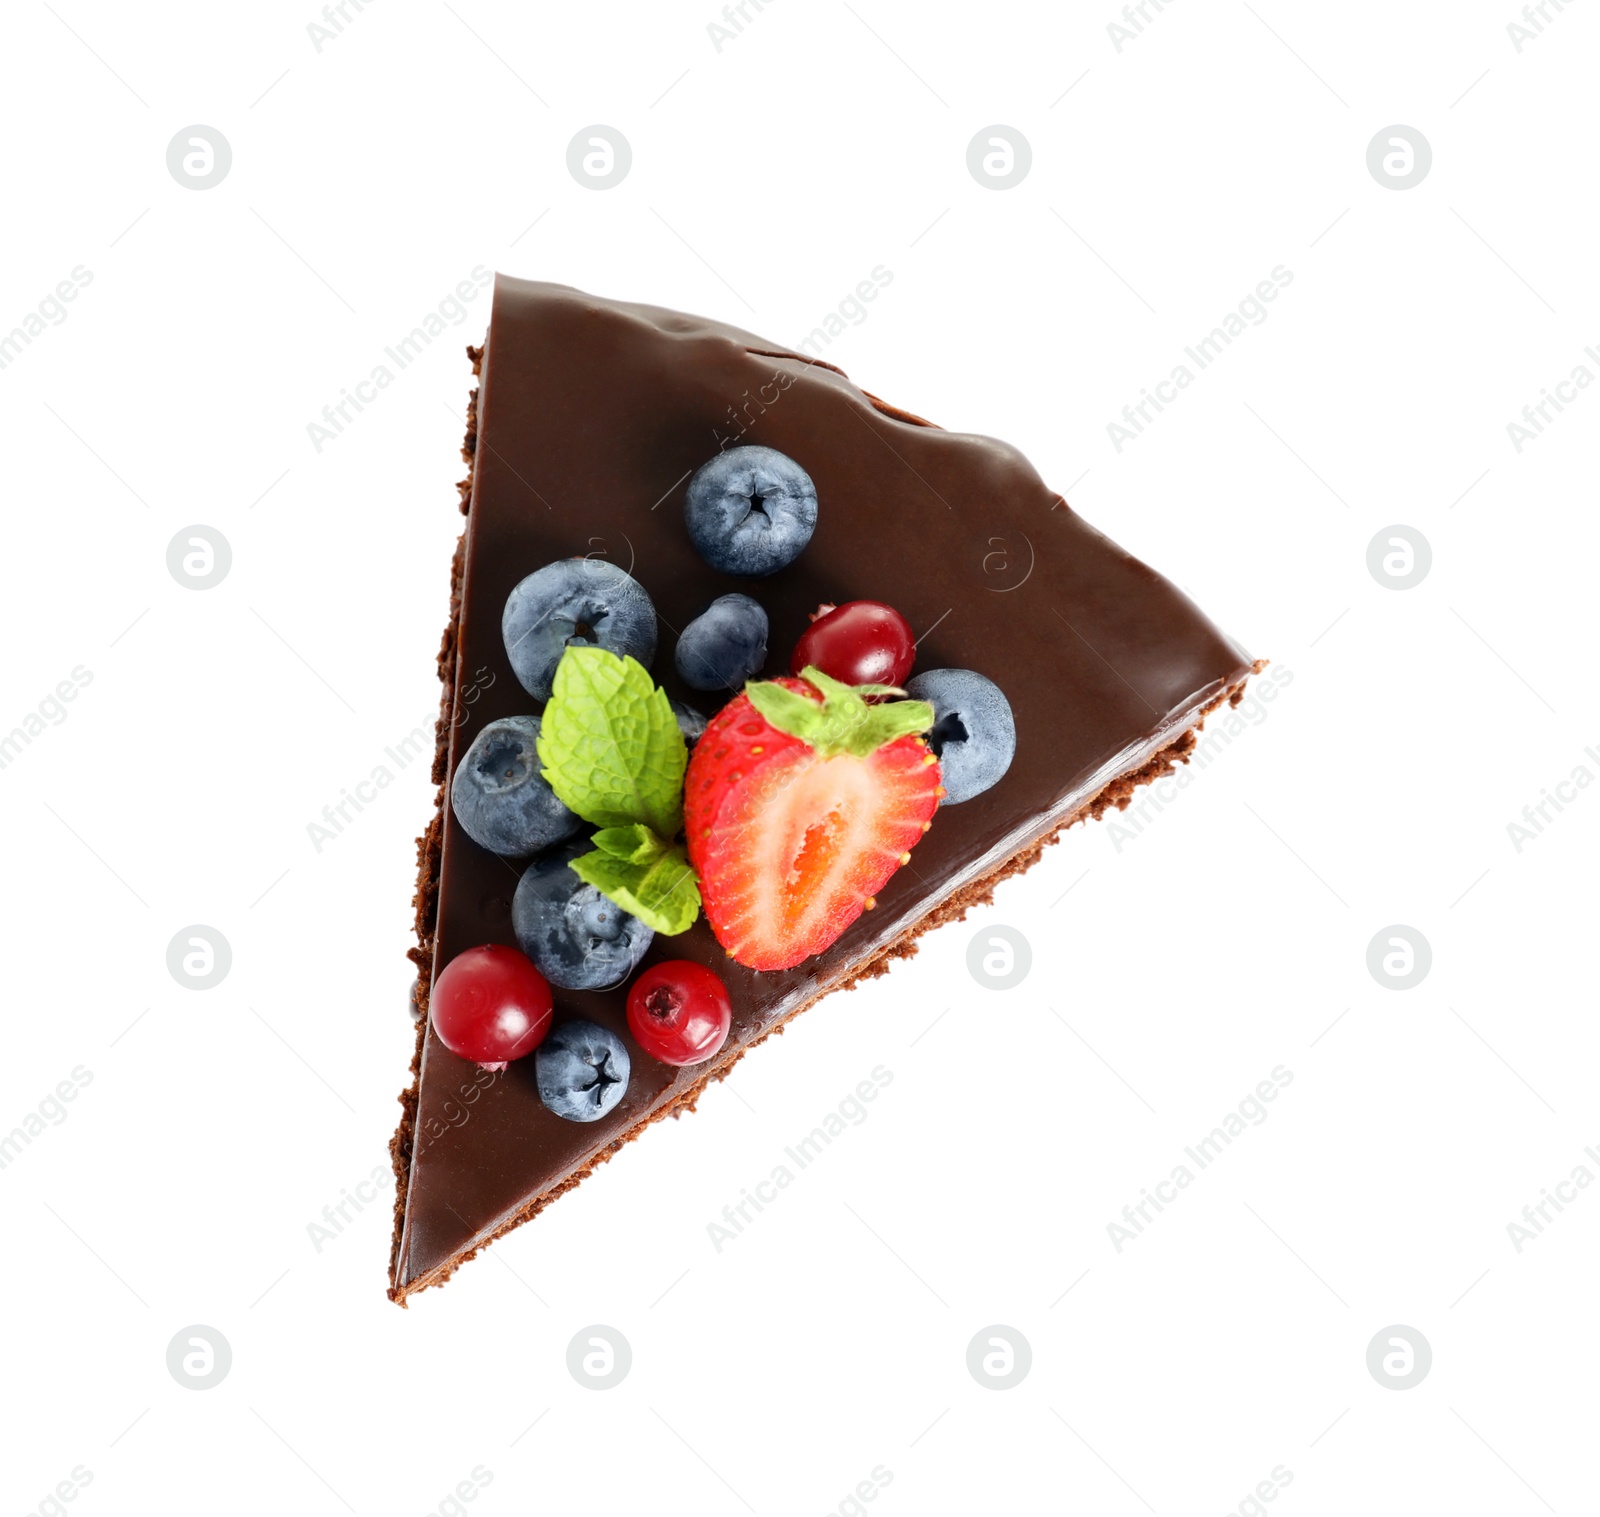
{"type": "Point", "coordinates": [679, 1012]}
{"type": "Point", "coordinates": [491, 1005]}
{"type": "Point", "coordinates": [862, 642]}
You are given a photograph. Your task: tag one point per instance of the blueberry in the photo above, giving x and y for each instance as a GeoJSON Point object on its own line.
{"type": "Point", "coordinates": [973, 733]}
{"type": "Point", "coordinates": [582, 1071]}
{"type": "Point", "coordinates": [750, 511]}
{"type": "Point", "coordinates": [578, 602]}
{"type": "Point", "coordinates": [690, 723]}
{"type": "Point", "coordinates": [501, 799]}
{"type": "Point", "coordinates": [578, 938]}
{"type": "Point", "coordinates": [723, 646]}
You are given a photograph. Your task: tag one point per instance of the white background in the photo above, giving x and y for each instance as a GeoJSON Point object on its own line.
{"type": "Point", "coordinates": [1228, 937]}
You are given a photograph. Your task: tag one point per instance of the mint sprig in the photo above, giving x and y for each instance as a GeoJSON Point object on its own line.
{"type": "Point", "coordinates": [633, 844]}
{"type": "Point", "coordinates": [612, 751]}
{"type": "Point", "coordinates": [845, 722]}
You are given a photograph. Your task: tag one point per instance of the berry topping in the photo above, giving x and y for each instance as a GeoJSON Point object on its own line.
{"type": "Point", "coordinates": [973, 731]}
{"type": "Point", "coordinates": [725, 645]}
{"type": "Point", "coordinates": [490, 1005]}
{"type": "Point", "coordinates": [862, 642]}
{"type": "Point", "coordinates": [576, 602]}
{"type": "Point", "coordinates": [582, 1071]}
{"type": "Point", "coordinates": [690, 722]}
{"type": "Point", "coordinates": [750, 510]}
{"type": "Point", "coordinates": [801, 801]}
{"type": "Point", "coordinates": [678, 1012]}
{"type": "Point", "coordinates": [501, 799]}
{"type": "Point", "coordinates": [576, 936]}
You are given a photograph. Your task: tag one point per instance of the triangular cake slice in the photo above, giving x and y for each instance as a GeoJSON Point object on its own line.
{"type": "Point", "coordinates": [591, 418]}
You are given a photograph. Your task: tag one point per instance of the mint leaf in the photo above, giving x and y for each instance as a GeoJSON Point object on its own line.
{"type": "Point", "coordinates": [610, 746]}
{"type": "Point", "coordinates": [634, 844]}
{"type": "Point", "coordinates": [662, 893]}
{"type": "Point", "coordinates": [844, 722]}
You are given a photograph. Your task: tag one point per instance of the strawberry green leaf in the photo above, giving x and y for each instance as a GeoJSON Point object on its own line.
{"type": "Point", "coordinates": [787, 710]}
{"type": "Point", "coordinates": [610, 746]}
{"type": "Point", "coordinates": [663, 893]}
{"type": "Point", "coordinates": [844, 722]}
{"type": "Point", "coordinates": [838, 690]}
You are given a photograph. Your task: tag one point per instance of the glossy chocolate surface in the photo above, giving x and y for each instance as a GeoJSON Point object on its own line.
{"type": "Point", "coordinates": [592, 416]}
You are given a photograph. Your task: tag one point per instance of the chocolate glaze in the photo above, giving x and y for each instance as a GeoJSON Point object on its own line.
{"type": "Point", "coordinates": [591, 418]}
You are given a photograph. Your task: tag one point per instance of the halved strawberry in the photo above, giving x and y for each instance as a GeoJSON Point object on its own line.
{"type": "Point", "coordinates": [800, 801]}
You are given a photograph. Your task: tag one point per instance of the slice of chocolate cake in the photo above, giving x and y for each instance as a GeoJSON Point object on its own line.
{"type": "Point", "coordinates": [609, 432]}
